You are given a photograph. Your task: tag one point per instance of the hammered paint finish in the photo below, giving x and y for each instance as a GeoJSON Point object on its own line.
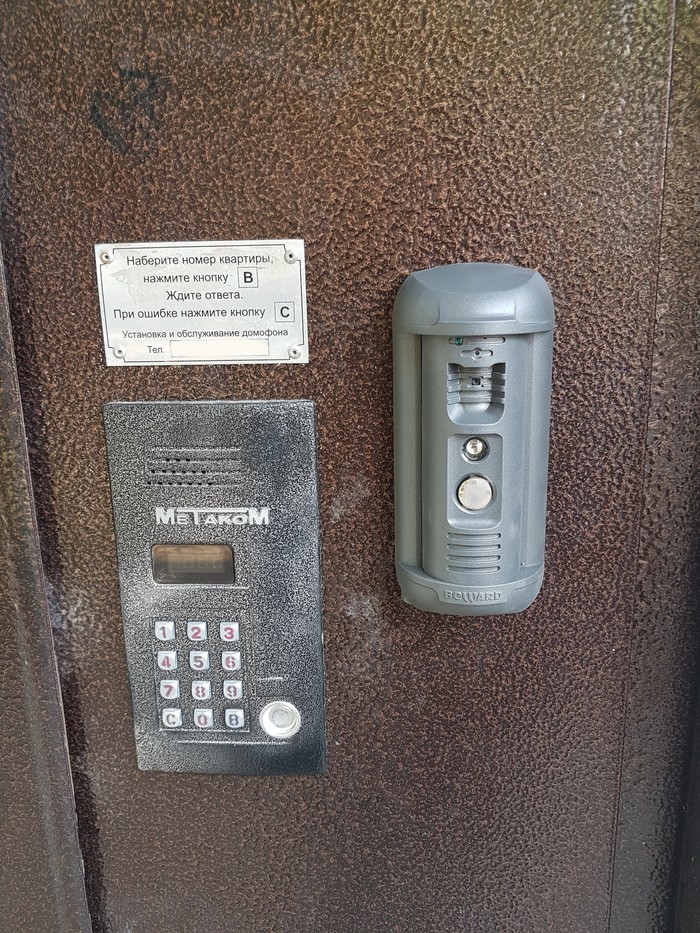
{"type": "Point", "coordinates": [687, 912]}
{"type": "Point", "coordinates": [41, 872]}
{"type": "Point", "coordinates": [661, 692]}
{"type": "Point", "coordinates": [474, 767]}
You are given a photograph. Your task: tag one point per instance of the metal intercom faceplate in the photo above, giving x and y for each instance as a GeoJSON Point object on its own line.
{"type": "Point", "coordinates": [216, 516]}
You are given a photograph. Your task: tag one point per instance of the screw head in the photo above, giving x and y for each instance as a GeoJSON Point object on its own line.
{"type": "Point", "coordinates": [289, 256]}
{"type": "Point", "coordinates": [106, 256]}
{"type": "Point", "coordinates": [119, 351]}
{"type": "Point", "coordinates": [294, 353]}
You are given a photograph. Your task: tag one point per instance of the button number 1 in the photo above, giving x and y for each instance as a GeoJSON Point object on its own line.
{"type": "Point", "coordinates": [165, 631]}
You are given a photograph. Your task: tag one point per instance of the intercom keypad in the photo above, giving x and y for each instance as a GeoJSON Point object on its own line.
{"type": "Point", "coordinates": [212, 659]}
{"type": "Point", "coordinates": [217, 530]}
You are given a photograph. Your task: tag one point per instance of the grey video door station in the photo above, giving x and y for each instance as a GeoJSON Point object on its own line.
{"type": "Point", "coordinates": [472, 374]}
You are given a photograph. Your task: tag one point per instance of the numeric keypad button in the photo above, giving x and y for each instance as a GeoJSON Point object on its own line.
{"type": "Point", "coordinates": [235, 718]}
{"type": "Point", "coordinates": [233, 689]}
{"type": "Point", "coordinates": [230, 631]}
{"type": "Point", "coordinates": [164, 631]}
{"type": "Point", "coordinates": [204, 718]}
{"type": "Point", "coordinates": [201, 689]}
{"type": "Point", "coordinates": [170, 689]}
{"type": "Point", "coordinates": [172, 718]}
{"type": "Point", "coordinates": [167, 660]}
{"type": "Point", "coordinates": [199, 660]}
{"type": "Point", "coordinates": [197, 631]}
{"type": "Point", "coordinates": [231, 660]}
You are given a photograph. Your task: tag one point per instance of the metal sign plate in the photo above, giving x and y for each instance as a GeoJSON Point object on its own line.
{"type": "Point", "coordinates": [174, 304]}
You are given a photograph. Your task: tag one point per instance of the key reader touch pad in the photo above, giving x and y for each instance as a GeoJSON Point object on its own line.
{"type": "Point", "coordinates": [217, 526]}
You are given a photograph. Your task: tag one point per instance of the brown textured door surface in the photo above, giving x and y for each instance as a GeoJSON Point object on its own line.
{"type": "Point", "coordinates": [515, 775]}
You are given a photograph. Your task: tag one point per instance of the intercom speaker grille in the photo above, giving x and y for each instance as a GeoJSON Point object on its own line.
{"type": "Point", "coordinates": [208, 466]}
{"type": "Point", "coordinates": [473, 552]}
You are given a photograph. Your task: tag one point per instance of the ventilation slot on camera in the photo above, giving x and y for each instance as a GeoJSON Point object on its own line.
{"type": "Point", "coordinates": [477, 552]}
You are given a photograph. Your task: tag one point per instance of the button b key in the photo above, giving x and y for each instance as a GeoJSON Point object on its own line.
{"type": "Point", "coordinates": [235, 718]}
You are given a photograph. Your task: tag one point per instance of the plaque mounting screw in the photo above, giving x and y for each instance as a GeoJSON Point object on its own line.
{"type": "Point", "coordinates": [106, 256]}
{"type": "Point", "coordinates": [290, 256]}
{"type": "Point", "coordinates": [294, 353]}
{"type": "Point", "coordinates": [119, 351]}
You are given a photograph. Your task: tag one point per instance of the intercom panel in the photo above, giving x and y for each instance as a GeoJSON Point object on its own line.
{"type": "Point", "coordinates": [217, 526]}
{"type": "Point", "coordinates": [472, 375]}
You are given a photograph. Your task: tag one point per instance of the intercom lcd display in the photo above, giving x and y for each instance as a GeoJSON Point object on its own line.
{"type": "Point", "coordinates": [192, 563]}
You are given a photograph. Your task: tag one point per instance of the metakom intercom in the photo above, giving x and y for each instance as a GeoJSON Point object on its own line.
{"type": "Point", "coordinates": [472, 374]}
{"type": "Point", "coordinates": [216, 516]}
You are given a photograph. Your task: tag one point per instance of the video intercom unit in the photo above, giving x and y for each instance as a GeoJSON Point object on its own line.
{"type": "Point", "coordinates": [472, 376]}
{"type": "Point", "coordinates": [216, 515]}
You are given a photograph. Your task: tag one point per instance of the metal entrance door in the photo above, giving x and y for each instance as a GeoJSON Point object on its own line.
{"type": "Point", "coordinates": [520, 774]}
